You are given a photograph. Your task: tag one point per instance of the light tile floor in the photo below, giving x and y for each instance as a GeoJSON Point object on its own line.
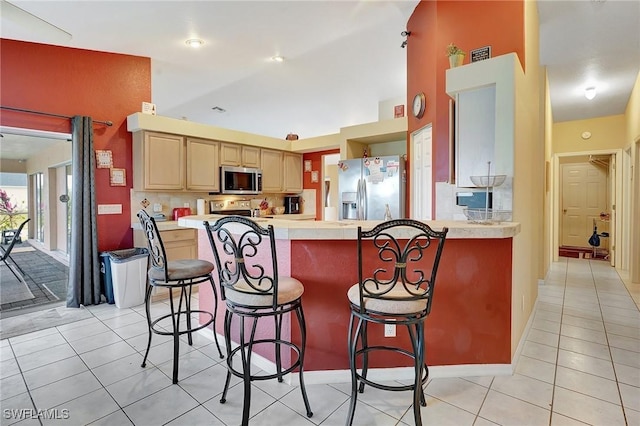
{"type": "Point", "coordinates": [580, 364]}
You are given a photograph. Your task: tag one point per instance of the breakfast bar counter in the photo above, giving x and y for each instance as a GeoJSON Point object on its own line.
{"type": "Point", "coordinates": [470, 322]}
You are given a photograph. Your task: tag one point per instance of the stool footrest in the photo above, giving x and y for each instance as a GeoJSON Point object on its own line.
{"type": "Point", "coordinates": [253, 377]}
{"type": "Point", "coordinates": [181, 332]}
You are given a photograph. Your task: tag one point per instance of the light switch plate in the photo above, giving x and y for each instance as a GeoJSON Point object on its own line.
{"type": "Point", "coordinates": [109, 208]}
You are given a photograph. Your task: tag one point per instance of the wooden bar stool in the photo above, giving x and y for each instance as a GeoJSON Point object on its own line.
{"type": "Point", "coordinates": [247, 265]}
{"type": "Point", "coordinates": [396, 279]}
{"type": "Point", "coordinates": [179, 275]}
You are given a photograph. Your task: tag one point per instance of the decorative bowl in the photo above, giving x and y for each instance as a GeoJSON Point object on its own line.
{"type": "Point", "coordinates": [278, 210]}
{"type": "Point", "coordinates": [487, 215]}
{"type": "Point", "coordinates": [488, 180]}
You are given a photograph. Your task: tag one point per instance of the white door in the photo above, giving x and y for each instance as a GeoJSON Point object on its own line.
{"type": "Point", "coordinates": [421, 174]}
{"type": "Point", "coordinates": [584, 197]}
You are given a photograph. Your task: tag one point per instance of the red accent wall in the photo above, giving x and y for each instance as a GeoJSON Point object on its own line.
{"type": "Point", "coordinates": [470, 320]}
{"type": "Point", "coordinates": [316, 164]}
{"type": "Point", "coordinates": [66, 81]}
{"type": "Point", "coordinates": [470, 25]}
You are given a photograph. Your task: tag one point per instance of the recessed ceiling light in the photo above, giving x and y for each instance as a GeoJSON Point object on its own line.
{"type": "Point", "coordinates": [590, 92]}
{"type": "Point", "coordinates": [277, 58]}
{"type": "Point", "coordinates": [194, 42]}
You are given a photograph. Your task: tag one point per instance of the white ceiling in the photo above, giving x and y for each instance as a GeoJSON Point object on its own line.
{"type": "Point", "coordinates": [341, 57]}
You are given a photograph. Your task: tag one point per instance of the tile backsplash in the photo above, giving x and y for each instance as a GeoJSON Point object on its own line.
{"type": "Point", "coordinates": [168, 201]}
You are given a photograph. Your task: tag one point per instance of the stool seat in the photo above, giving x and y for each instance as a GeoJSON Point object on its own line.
{"type": "Point", "coordinates": [289, 289]}
{"type": "Point", "coordinates": [178, 270]}
{"type": "Point", "coordinates": [395, 302]}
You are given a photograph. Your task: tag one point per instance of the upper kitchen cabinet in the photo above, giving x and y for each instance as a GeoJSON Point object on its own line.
{"type": "Point", "coordinates": [251, 156]}
{"type": "Point", "coordinates": [239, 155]}
{"type": "Point", "coordinates": [272, 170]}
{"type": "Point", "coordinates": [158, 160]}
{"type": "Point", "coordinates": [292, 181]}
{"type": "Point", "coordinates": [202, 169]}
{"type": "Point", "coordinates": [484, 94]}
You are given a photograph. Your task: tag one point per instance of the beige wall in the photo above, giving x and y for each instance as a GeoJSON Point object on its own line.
{"type": "Point", "coordinates": [528, 182]}
{"type": "Point", "coordinates": [632, 114]}
{"type": "Point", "coordinates": [606, 133]}
{"type": "Point", "coordinates": [632, 117]}
{"type": "Point", "coordinates": [548, 152]}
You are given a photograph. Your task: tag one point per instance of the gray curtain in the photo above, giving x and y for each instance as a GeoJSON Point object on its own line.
{"type": "Point", "coordinates": [84, 265]}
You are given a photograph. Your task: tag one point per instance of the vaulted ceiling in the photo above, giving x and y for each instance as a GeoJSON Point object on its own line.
{"type": "Point", "coordinates": [341, 58]}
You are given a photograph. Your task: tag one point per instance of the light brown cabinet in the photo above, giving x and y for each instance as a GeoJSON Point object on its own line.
{"type": "Point", "coordinates": [158, 160]}
{"type": "Point", "coordinates": [239, 155]}
{"type": "Point", "coordinates": [272, 172]}
{"type": "Point", "coordinates": [202, 165]}
{"type": "Point", "coordinates": [251, 156]}
{"type": "Point", "coordinates": [292, 165]}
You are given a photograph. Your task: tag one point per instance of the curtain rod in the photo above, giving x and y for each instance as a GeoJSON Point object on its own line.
{"type": "Point", "coordinates": [106, 123]}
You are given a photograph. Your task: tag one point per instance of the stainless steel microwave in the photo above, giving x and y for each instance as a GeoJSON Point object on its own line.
{"type": "Point", "coordinates": [240, 180]}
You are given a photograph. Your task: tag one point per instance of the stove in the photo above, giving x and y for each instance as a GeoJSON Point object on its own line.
{"type": "Point", "coordinates": [235, 207]}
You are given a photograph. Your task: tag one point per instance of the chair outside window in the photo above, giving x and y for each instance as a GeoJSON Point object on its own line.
{"type": "Point", "coordinates": [397, 265]}
{"type": "Point", "coordinates": [5, 252]}
{"type": "Point", "coordinates": [246, 261]}
{"type": "Point", "coordinates": [179, 276]}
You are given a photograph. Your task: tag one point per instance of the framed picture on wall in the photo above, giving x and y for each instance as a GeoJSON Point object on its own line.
{"type": "Point", "coordinates": [118, 177]}
{"type": "Point", "coordinates": [104, 159]}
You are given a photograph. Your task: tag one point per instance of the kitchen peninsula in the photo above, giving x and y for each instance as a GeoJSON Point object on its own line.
{"type": "Point", "coordinates": [469, 325]}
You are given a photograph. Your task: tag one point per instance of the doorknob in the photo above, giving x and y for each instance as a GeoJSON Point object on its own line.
{"type": "Point", "coordinates": [564, 210]}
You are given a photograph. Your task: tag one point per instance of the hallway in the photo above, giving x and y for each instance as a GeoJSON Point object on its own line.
{"type": "Point", "coordinates": [580, 364]}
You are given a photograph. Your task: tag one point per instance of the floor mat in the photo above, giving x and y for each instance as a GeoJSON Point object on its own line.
{"type": "Point", "coordinates": [12, 289]}
{"type": "Point", "coordinates": [28, 323]}
{"type": "Point", "coordinates": [45, 277]}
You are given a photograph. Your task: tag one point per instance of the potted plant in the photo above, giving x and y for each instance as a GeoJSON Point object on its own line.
{"type": "Point", "coordinates": [455, 54]}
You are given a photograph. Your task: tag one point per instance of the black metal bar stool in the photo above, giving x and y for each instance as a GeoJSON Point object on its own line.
{"type": "Point", "coordinates": [246, 261]}
{"type": "Point", "coordinates": [396, 279]}
{"type": "Point", "coordinates": [179, 275]}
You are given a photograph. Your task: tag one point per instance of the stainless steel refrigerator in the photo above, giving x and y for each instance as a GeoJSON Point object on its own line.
{"type": "Point", "coordinates": [368, 185]}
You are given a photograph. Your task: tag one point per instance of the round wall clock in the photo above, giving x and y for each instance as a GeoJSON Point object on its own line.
{"type": "Point", "coordinates": [419, 105]}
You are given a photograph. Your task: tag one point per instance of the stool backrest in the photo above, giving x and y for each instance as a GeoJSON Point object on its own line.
{"type": "Point", "coordinates": [396, 261]}
{"type": "Point", "coordinates": [244, 251]}
{"type": "Point", "coordinates": [158, 255]}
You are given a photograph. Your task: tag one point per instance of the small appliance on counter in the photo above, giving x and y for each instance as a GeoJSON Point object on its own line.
{"type": "Point", "coordinates": [178, 212]}
{"type": "Point", "coordinates": [292, 204]}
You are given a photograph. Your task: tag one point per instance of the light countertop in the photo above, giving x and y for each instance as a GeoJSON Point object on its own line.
{"type": "Point", "coordinates": [347, 230]}
{"type": "Point", "coordinates": [171, 225]}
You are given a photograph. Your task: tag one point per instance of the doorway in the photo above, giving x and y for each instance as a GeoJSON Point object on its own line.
{"type": "Point", "coordinates": [330, 186]}
{"type": "Point", "coordinates": [602, 162]}
{"type": "Point", "coordinates": [585, 203]}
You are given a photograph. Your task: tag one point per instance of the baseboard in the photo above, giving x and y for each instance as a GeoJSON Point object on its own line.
{"type": "Point", "coordinates": [377, 374]}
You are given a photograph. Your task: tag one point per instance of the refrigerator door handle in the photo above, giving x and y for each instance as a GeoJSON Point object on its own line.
{"type": "Point", "coordinates": [359, 201]}
{"type": "Point", "coordinates": [365, 201]}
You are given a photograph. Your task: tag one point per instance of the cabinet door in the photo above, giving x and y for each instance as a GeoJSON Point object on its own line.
{"type": "Point", "coordinates": [251, 156]}
{"type": "Point", "coordinates": [230, 154]}
{"type": "Point", "coordinates": [292, 172]}
{"type": "Point", "coordinates": [163, 158]}
{"type": "Point", "coordinates": [475, 134]}
{"type": "Point", "coordinates": [272, 174]}
{"type": "Point", "coordinates": [203, 165]}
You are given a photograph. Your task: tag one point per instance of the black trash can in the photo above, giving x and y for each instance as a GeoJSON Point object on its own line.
{"type": "Point", "coordinates": [123, 276]}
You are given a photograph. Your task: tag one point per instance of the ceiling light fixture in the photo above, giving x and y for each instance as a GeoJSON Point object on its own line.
{"type": "Point", "coordinates": [590, 92]}
{"type": "Point", "coordinates": [277, 58]}
{"type": "Point", "coordinates": [194, 42]}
